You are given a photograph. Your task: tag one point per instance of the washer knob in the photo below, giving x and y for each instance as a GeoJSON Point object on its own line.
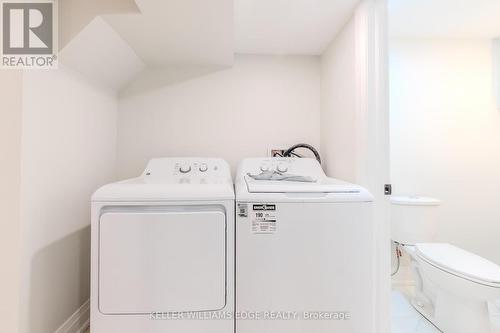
{"type": "Point", "coordinates": [203, 167]}
{"type": "Point", "coordinates": [264, 167]}
{"type": "Point", "coordinates": [185, 168]}
{"type": "Point", "coordinates": [282, 167]}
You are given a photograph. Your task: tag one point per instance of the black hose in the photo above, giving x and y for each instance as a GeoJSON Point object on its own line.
{"type": "Point", "coordinates": [289, 151]}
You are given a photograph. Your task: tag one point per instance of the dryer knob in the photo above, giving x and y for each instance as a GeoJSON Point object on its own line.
{"type": "Point", "coordinates": [264, 167]}
{"type": "Point", "coordinates": [203, 167]}
{"type": "Point", "coordinates": [185, 168]}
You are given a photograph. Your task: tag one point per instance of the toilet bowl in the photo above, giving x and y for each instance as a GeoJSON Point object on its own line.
{"type": "Point", "coordinates": [452, 286]}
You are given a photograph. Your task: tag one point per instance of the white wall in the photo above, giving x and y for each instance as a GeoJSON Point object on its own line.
{"type": "Point", "coordinates": [68, 150]}
{"type": "Point", "coordinates": [10, 180]}
{"type": "Point", "coordinates": [261, 102]}
{"type": "Point", "coordinates": [354, 131]}
{"type": "Point", "coordinates": [338, 105]}
{"type": "Point", "coordinates": [445, 136]}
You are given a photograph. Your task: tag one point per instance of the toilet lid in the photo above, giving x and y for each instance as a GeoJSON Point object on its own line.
{"type": "Point", "coordinates": [460, 262]}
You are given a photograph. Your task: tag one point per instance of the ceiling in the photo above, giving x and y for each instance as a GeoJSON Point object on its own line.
{"type": "Point", "coordinates": [201, 32]}
{"type": "Point", "coordinates": [101, 55]}
{"type": "Point", "coordinates": [156, 42]}
{"type": "Point", "coordinates": [444, 18]}
{"type": "Point", "coordinates": [169, 32]}
{"type": "Point", "coordinates": [75, 15]}
{"type": "Point", "coordinates": [289, 26]}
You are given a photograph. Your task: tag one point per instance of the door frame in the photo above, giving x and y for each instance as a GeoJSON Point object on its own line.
{"type": "Point", "coordinates": [373, 146]}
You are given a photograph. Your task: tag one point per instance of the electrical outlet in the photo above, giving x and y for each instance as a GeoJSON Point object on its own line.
{"type": "Point", "coordinates": [276, 152]}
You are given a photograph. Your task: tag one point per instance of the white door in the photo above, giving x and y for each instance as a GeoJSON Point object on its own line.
{"type": "Point", "coordinates": [162, 261]}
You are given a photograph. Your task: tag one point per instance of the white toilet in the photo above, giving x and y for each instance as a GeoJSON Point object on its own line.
{"type": "Point", "coordinates": [452, 286]}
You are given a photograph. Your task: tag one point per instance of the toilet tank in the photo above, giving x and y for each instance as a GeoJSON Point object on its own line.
{"type": "Point", "coordinates": [413, 219]}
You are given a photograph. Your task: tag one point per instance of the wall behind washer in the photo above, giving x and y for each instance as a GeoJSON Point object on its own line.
{"type": "Point", "coordinates": [261, 102]}
{"type": "Point", "coordinates": [338, 105]}
{"type": "Point", "coordinates": [445, 136]}
{"type": "Point", "coordinates": [68, 150]}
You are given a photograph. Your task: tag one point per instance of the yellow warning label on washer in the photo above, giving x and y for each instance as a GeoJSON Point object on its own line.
{"type": "Point", "coordinates": [264, 218]}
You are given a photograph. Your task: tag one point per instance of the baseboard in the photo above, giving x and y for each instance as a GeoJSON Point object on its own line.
{"type": "Point", "coordinates": [78, 322]}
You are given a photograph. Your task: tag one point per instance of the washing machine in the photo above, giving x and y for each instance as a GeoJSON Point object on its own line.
{"type": "Point", "coordinates": [163, 250]}
{"type": "Point", "coordinates": [305, 248]}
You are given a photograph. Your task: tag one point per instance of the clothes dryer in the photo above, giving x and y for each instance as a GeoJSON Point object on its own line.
{"type": "Point", "coordinates": [163, 250]}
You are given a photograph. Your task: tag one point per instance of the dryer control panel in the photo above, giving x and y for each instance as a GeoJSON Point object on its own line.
{"type": "Point", "coordinates": [188, 170]}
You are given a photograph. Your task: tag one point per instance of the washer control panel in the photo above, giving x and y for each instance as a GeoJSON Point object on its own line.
{"type": "Point", "coordinates": [274, 164]}
{"type": "Point", "coordinates": [296, 166]}
{"type": "Point", "coordinates": [188, 170]}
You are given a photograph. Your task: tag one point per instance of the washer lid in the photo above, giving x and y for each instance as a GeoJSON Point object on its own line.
{"type": "Point", "coordinates": [325, 185]}
{"type": "Point", "coordinates": [460, 262]}
{"type": "Point", "coordinates": [323, 189]}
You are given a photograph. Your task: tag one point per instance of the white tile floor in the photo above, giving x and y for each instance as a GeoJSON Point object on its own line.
{"type": "Point", "coordinates": [405, 319]}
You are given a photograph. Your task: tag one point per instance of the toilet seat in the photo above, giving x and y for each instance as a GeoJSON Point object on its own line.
{"type": "Point", "coordinates": [459, 262]}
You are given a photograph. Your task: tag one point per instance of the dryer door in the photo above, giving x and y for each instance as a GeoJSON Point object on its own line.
{"type": "Point", "coordinates": [171, 260]}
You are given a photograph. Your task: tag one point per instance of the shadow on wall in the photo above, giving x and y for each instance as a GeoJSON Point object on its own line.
{"type": "Point", "coordinates": [153, 78]}
{"type": "Point", "coordinates": [63, 265]}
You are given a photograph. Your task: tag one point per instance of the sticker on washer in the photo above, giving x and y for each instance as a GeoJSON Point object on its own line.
{"type": "Point", "coordinates": [264, 218]}
{"type": "Point", "coordinates": [242, 210]}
